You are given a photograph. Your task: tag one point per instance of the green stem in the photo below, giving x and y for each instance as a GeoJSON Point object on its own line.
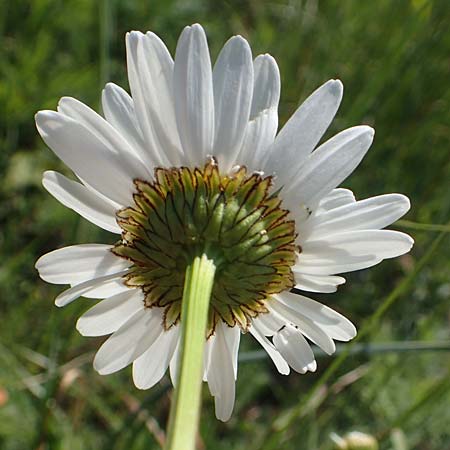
{"type": "Point", "coordinates": [185, 410]}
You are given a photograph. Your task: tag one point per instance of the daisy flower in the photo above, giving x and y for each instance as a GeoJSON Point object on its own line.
{"type": "Point", "coordinates": [191, 163]}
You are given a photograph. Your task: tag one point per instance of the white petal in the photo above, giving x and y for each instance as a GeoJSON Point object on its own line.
{"type": "Point", "coordinates": [209, 346]}
{"type": "Point", "coordinates": [328, 166]}
{"type": "Point", "coordinates": [380, 243]}
{"type": "Point", "coordinates": [110, 314]}
{"type": "Point", "coordinates": [79, 263]}
{"type": "Point", "coordinates": [129, 342]}
{"type": "Point", "coordinates": [112, 283]}
{"type": "Point", "coordinates": [82, 200]}
{"type": "Point", "coordinates": [263, 123]}
{"type": "Point", "coordinates": [174, 365]}
{"type": "Point", "coordinates": [372, 213]}
{"type": "Point", "coordinates": [281, 365]}
{"type": "Point", "coordinates": [94, 160]}
{"type": "Point", "coordinates": [334, 199]}
{"type": "Point", "coordinates": [295, 350]}
{"type": "Point", "coordinates": [151, 366]}
{"type": "Point", "coordinates": [118, 108]}
{"type": "Point", "coordinates": [150, 73]}
{"type": "Point", "coordinates": [193, 95]}
{"type": "Point", "coordinates": [233, 90]}
{"type": "Point", "coordinates": [302, 132]}
{"type": "Point", "coordinates": [323, 260]}
{"type": "Point", "coordinates": [106, 290]}
{"type": "Point", "coordinates": [307, 327]}
{"type": "Point", "coordinates": [104, 132]}
{"type": "Point", "coordinates": [332, 268]}
{"type": "Point", "coordinates": [334, 324]}
{"type": "Point", "coordinates": [220, 373]}
{"type": "Point", "coordinates": [269, 323]}
{"type": "Point", "coordinates": [317, 283]}
{"type": "Point", "coordinates": [233, 338]}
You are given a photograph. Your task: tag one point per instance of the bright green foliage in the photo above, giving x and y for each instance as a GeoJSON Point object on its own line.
{"type": "Point", "coordinates": [393, 58]}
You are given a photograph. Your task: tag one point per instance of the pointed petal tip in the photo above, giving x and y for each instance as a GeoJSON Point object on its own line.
{"type": "Point", "coordinates": [153, 37]}
{"type": "Point", "coordinates": [134, 33]}
{"type": "Point", "coordinates": [264, 57]}
{"type": "Point", "coordinates": [239, 39]}
{"type": "Point", "coordinates": [43, 115]}
{"type": "Point", "coordinates": [38, 265]}
{"type": "Point", "coordinates": [196, 26]}
{"type": "Point", "coordinates": [48, 120]}
{"type": "Point", "coordinates": [365, 131]}
{"type": "Point", "coordinates": [109, 87]}
{"type": "Point", "coordinates": [133, 37]}
{"type": "Point", "coordinates": [350, 332]}
{"type": "Point", "coordinates": [98, 366]}
{"type": "Point", "coordinates": [79, 327]}
{"type": "Point", "coordinates": [404, 202]}
{"type": "Point", "coordinates": [139, 386]}
{"type": "Point", "coordinates": [411, 242]}
{"type": "Point", "coordinates": [336, 87]}
{"type": "Point", "coordinates": [59, 303]}
{"type": "Point", "coordinates": [138, 382]}
{"type": "Point", "coordinates": [223, 416]}
{"type": "Point", "coordinates": [404, 244]}
{"type": "Point", "coordinates": [194, 29]}
{"type": "Point", "coordinates": [38, 115]}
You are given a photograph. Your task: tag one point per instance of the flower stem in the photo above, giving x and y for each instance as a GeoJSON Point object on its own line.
{"type": "Point", "coordinates": [185, 410]}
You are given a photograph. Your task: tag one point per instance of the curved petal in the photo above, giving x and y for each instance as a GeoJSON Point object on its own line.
{"type": "Point", "coordinates": [302, 132]}
{"type": "Point", "coordinates": [328, 166]}
{"type": "Point", "coordinates": [108, 315]}
{"type": "Point", "coordinates": [306, 326]}
{"type": "Point", "coordinates": [370, 214]}
{"type": "Point", "coordinates": [104, 132]}
{"type": "Point", "coordinates": [263, 124]}
{"type": "Point", "coordinates": [321, 267]}
{"type": "Point", "coordinates": [84, 201]}
{"type": "Point", "coordinates": [118, 108]}
{"type": "Point", "coordinates": [281, 365]}
{"type": "Point", "coordinates": [193, 95]}
{"type": "Point", "coordinates": [104, 286]}
{"type": "Point", "coordinates": [317, 283]}
{"type": "Point", "coordinates": [382, 244]}
{"type": "Point", "coordinates": [233, 90]}
{"type": "Point", "coordinates": [79, 263]}
{"type": "Point", "coordinates": [233, 338]}
{"type": "Point", "coordinates": [150, 74]}
{"type": "Point", "coordinates": [294, 349]}
{"type": "Point", "coordinates": [174, 365]}
{"type": "Point", "coordinates": [151, 366]}
{"type": "Point", "coordinates": [337, 197]}
{"type": "Point", "coordinates": [129, 342]}
{"type": "Point", "coordinates": [268, 323]}
{"type": "Point", "coordinates": [92, 159]}
{"type": "Point", "coordinates": [334, 324]}
{"type": "Point", "coordinates": [220, 372]}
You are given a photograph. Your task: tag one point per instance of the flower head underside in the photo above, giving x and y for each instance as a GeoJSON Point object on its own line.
{"type": "Point", "coordinates": [192, 162]}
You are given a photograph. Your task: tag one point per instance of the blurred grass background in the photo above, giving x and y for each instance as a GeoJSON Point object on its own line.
{"type": "Point", "coordinates": [393, 57]}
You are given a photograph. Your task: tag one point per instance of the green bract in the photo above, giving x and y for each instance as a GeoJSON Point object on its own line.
{"type": "Point", "coordinates": [231, 218]}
